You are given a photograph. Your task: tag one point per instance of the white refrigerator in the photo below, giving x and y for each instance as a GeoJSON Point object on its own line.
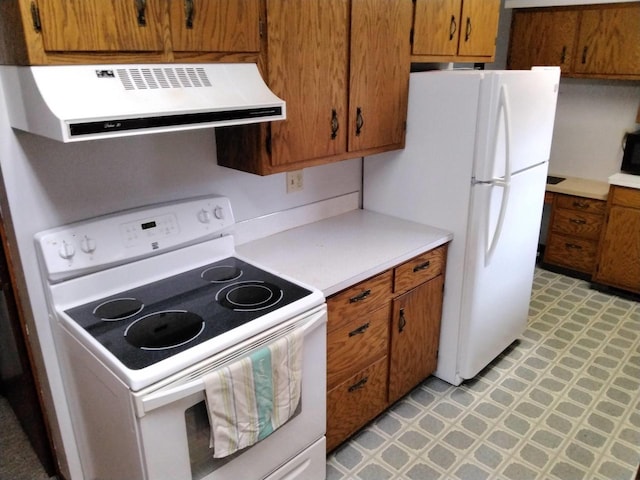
{"type": "Point", "coordinates": [475, 163]}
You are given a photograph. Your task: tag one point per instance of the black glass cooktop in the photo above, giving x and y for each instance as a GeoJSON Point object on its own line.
{"type": "Point", "coordinates": [148, 324]}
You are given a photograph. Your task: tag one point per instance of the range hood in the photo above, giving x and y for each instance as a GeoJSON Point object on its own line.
{"type": "Point", "coordinates": [72, 103]}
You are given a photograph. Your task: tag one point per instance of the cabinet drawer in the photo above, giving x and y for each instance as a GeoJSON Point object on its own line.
{"type": "Point", "coordinates": [581, 204]}
{"type": "Point", "coordinates": [357, 344]}
{"type": "Point", "coordinates": [420, 269]}
{"type": "Point", "coordinates": [356, 401]}
{"type": "Point", "coordinates": [581, 224]}
{"type": "Point", "coordinates": [357, 300]}
{"type": "Point", "coordinates": [571, 252]}
{"type": "Point", "coordinates": [625, 197]}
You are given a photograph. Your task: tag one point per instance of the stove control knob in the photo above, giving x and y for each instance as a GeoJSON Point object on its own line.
{"type": "Point", "coordinates": [88, 245]}
{"type": "Point", "coordinates": [66, 250]}
{"type": "Point", "coordinates": [218, 211]}
{"type": "Point", "coordinates": [204, 216]}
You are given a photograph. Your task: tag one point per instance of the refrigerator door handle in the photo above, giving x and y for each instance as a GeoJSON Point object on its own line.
{"type": "Point", "coordinates": [498, 182]}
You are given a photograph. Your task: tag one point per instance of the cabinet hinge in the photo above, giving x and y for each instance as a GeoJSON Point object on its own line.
{"type": "Point", "coordinates": [261, 28]}
{"type": "Point", "coordinates": [35, 17]}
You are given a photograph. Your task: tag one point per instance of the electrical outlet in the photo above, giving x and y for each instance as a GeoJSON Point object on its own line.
{"type": "Point", "coordinates": [294, 181]}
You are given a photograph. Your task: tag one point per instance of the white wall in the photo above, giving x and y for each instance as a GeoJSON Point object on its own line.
{"type": "Point", "coordinates": [46, 184]}
{"type": "Point", "coordinates": [591, 118]}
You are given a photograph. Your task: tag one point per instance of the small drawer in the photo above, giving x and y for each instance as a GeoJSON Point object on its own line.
{"type": "Point", "coordinates": [357, 344]}
{"type": "Point", "coordinates": [581, 204]}
{"type": "Point", "coordinates": [625, 197]}
{"type": "Point", "coordinates": [356, 401]}
{"type": "Point", "coordinates": [357, 300]}
{"type": "Point", "coordinates": [420, 269]}
{"type": "Point", "coordinates": [571, 252]}
{"type": "Point", "coordinates": [581, 224]}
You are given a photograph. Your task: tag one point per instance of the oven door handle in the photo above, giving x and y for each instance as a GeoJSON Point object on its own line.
{"type": "Point", "coordinates": [160, 398]}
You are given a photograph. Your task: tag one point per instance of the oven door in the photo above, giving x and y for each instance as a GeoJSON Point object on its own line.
{"type": "Point", "coordinates": [174, 428]}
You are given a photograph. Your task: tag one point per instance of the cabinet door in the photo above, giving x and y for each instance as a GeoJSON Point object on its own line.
{"type": "Point", "coordinates": [379, 80]}
{"type": "Point", "coordinates": [436, 27]}
{"type": "Point", "coordinates": [543, 37]}
{"type": "Point", "coordinates": [220, 26]}
{"type": "Point", "coordinates": [101, 26]}
{"type": "Point", "coordinates": [415, 334]}
{"type": "Point", "coordinates": [619, 260]}
{"type": "Point", "coordinates": [479, 28]}
{"type": "Point", "coordinates": [308, 55]}
{"type": "Point", "coordinates": [609, 40]}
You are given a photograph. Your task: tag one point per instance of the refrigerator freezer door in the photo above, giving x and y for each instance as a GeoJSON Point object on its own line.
{"type": "Point", "coordinates": [516, 112]}
{"type": "Point", "coordinates": [497, 286]}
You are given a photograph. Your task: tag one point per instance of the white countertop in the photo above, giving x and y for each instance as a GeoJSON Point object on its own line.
{"type": "Point", "coordinates": [580, 187]}
{"type": "Point", "coordinates": [625, 180]}
{"type": "Point", "coordinates": [337, 252]}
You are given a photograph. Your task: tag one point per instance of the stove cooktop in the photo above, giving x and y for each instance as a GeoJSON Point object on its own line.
{"type": "Point", "coordinates": [145, 325]}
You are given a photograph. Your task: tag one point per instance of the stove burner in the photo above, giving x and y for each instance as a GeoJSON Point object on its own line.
{"type": "Point", "coordinates": [221, 274]}
{"type": "Point", "coordinates": [163, 330]}
{"type": "Point", "coordinates": [118, 309]}
{"type": "Point", "coordinates": [249, 296]}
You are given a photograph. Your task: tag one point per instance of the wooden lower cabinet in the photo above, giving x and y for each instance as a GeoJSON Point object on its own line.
{"type": "Point", "coordinates": [574, 230]}
{"type": "Point", "coordinates": [382, 340]}
{"type": "Point", "coordinates": [415, 334]}
{"type": "Point", "coordinates": [619, 253]}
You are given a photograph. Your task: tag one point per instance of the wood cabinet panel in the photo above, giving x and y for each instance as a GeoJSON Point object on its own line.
{"type": "Point", "coordinates": [449, 30]}
{"type": "Point", "coordinates": [220, 26]}
{"type": "Point", "coordinates": [419, 269]}
{"type": "Point", "coordinates": [609, 40]}
{"type": "Point", "coordinates": [100, 26]}
{"type": "Point", "coordinates": [308, 57]}
{"type": "Point", "coordinates": [379, 73]}
{"type": "Point", "coordinates": [441, 18]}
{"type": "Point", "coordinates": [599, 41]}
{"type": "Point", "coordinates": [625, 197]}
{"type": "Point", "coordinates": [415, 332]}
{"type": "Point", "coordinates": [571, 252]}
{"type": "Point", "coordinates": [356, 401]}
{"type": "Point", "coordinates": [543, 37]}
{"type": "Point", "coordinates": [357, 300]}
{"type": "Point", "coordinates": [479, 28]}
{"type": "Point", "coordinates": [581, 204]}
{"type": "Point", "coordinates": [584, 225]}
{"type": "Point", "coordinates": [619, 258]}
{"type": "Point", "coordinates": [357, 344]}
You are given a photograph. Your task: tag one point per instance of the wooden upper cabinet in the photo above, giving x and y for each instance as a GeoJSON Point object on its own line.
{"type": "Point", "coordinates": [215, 26]}
{"type": "Point", "coordinates": [544, 37]}
{"type": "Point", "coordinates": [609, 40]}
{"type": "Point", "coordinates": [56, 32]}
{"type": "Point", "coordinates": [342, 66]}
{"type": "Point", "coordinates": [307, 63]}
{"type": "Point", "coordinates": [379, 79]}
{"type": "Point", "coordinates": [99, 25]}
{"type": "Point", "coordinates": [455, 30]}
{"type": "Point", "coordinates": [600, 41]}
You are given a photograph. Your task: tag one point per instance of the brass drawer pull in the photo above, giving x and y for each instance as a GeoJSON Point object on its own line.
{"type": "Point", "coordinates": [582, 205]}
{"type": "Point", "coordinates": [573, 246]}
{"type": "Point", "coordinates": [422, 266]}
{"type": "Point", "coordinates": [577, 221]}
{"type": "Point", "coordinates": [361, 329]}
{"type": "Point", "coordinates": [358, 385]}
{"type": "Point", "coordinates": [360, 297]}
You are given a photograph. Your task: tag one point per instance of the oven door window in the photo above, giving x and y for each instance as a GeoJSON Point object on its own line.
{"type": "Point", "coordinates": [198, 438]}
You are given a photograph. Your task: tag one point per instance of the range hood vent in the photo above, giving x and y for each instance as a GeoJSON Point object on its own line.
{"type": "Point", "coordinates": [86, 102]}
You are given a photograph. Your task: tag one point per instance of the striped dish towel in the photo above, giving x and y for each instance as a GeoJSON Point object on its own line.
{"type": "Point", "coordinates": [255, 395]}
